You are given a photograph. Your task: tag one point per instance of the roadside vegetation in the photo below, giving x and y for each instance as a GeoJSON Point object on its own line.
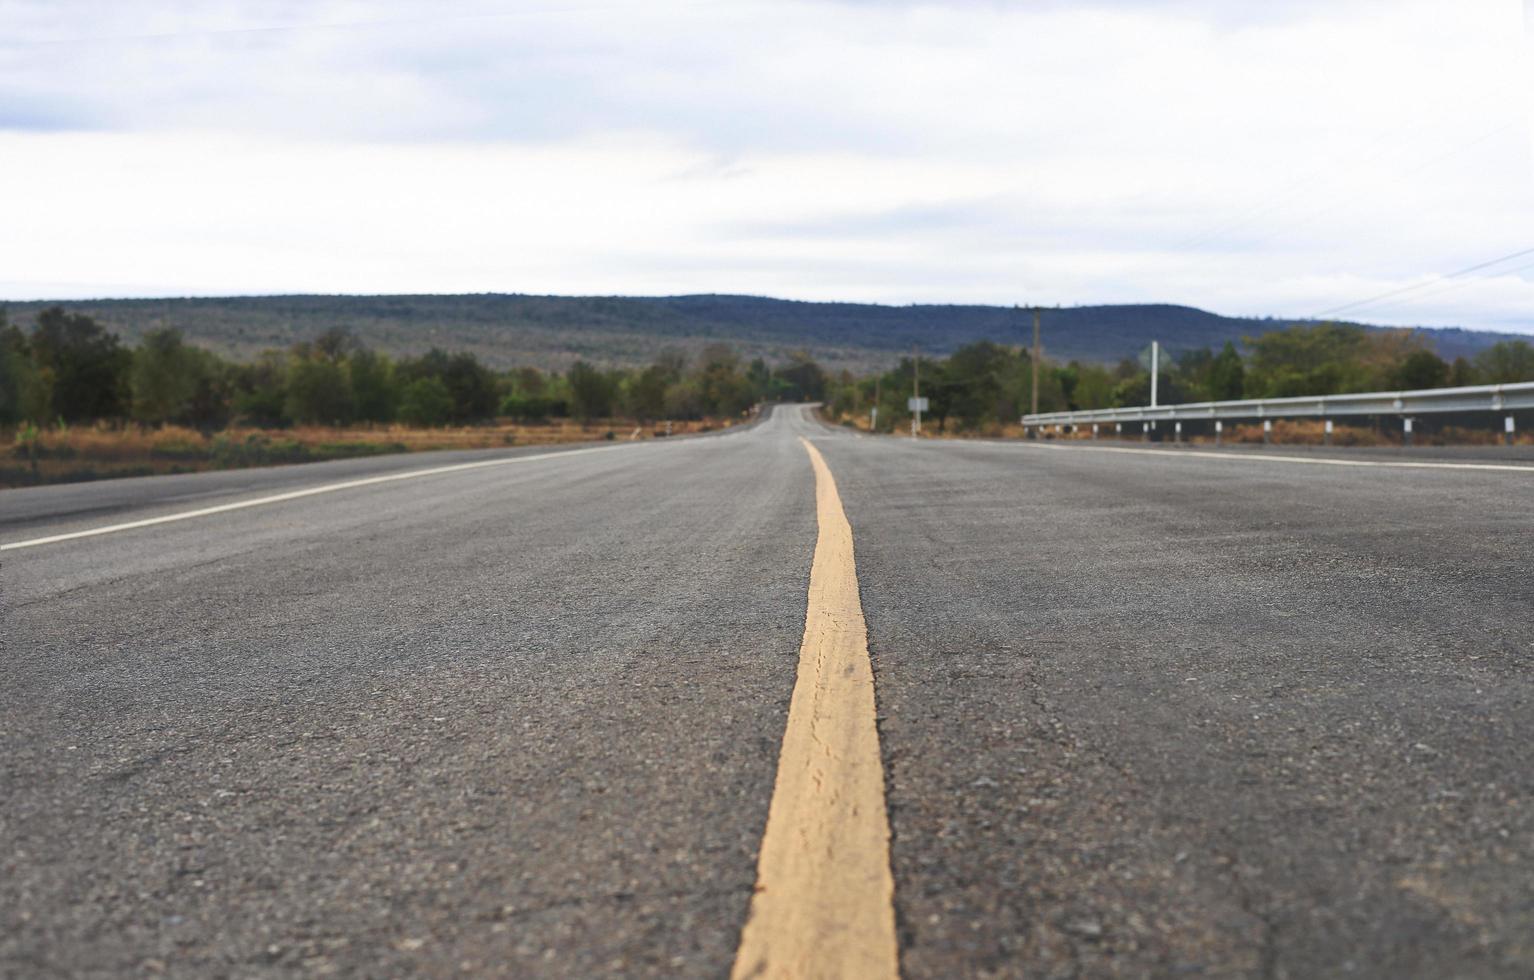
{"type": "Point", "coordinates": [77, 403]}
{"type": "Point", "coordinates": [984, 388]}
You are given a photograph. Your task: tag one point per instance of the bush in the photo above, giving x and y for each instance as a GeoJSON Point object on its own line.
{"type": "Point", "coordinates": [426, 401]}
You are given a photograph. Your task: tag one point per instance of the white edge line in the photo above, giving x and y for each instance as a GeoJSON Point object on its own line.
{"type": "Point", "coordinates": [1314, 461]}
{"type": "Point", "coordinates": [296, 494]}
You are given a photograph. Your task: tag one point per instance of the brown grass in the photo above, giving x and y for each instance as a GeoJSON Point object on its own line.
{"type": "Point", "coordinates": [103, 451]}
{"type": "Point", "coordinates": [1312, 432]}
{"type": "Point", "coordinates": [1297, 432]}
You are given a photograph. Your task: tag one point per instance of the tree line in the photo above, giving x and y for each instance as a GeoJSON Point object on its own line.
{"type": "Point", "coordinates": [72, 369]}
{"type": "Point", "coordinates": [985, 383]}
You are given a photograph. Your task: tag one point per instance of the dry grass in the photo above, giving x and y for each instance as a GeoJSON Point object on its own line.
{"type": "Point", "coordinates": [1312, 432]}
{"type": "Point", "coordinates": [103, 451]}
{"type": "Point", "coordinates": [1297, 432]}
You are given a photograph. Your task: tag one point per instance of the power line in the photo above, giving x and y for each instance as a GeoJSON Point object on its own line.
{"type": "Point", "coordinates": [1423, 285]}
{"type": "Point", "coordinates": [1330, 202]}
{"type": "Point", "coordinates": [1448, 287]}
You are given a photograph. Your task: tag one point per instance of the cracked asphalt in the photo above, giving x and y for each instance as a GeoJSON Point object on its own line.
{"type": "Point", "coordinates": [1141, 715]}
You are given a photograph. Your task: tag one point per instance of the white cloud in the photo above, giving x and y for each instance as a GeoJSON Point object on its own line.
{"type": "Point", "coordinates": [1282, 159]}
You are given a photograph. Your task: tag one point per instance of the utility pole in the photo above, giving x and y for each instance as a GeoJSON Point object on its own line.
{"type": "Point", "coordinates": [1155, 369]}
{"type": "Point", "coordinates": [915, 390]}
{"type": "Point", "coordinates": [1037, 354]}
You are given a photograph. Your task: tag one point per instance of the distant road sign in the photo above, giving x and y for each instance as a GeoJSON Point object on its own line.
{"type": "Point", "coordinates": [916, 404]}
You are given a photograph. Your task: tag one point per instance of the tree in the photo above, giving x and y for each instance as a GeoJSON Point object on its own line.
{"type": "Point", "coordinates": [591, 391]}
{"type": "Point", "coordinates": [260, 390]}
{"type": "Point", "coordinates": [373, 389]}
{"type": "Point", "coordinates": [426, 401]}
{"type": "Point", "coordinates": [319, 392]}
{"type": "Point", "coordinates": [471, 386]}
{"type": "Point", "coordinates": [720, 386]}
{"type": "Point", "coordinates": [1420, 369]}
{"type": "Point", "coordinates": [970, 385]}
{"type": "Point", "coordinates": [1323, 359]}
{"type": "Point", "coordinates": [1092, 388]}
{"type": "Point", "coordinates": [1462, 373]}
{"type": "Point", "coordinates": [209, 406]}
{"type": "Point", "coordinates": [646, 393]}
{"type": "Point", "coordinates": [84, 365]}
{"type": "Point", "coordinates": [528, 381]}
{"type": "Point", "coordinates": [1226, 379]}
{"type": "Point", "coordinates": [334, 344]}
{"type": "Point", "coordinates": [24, 392]}
{"type": "Point", "coordinates": [165, 377]}
{"type": "Point", "coordinates": [1506, 362]}
{"type": "Point", "coordinates": [804, 378]}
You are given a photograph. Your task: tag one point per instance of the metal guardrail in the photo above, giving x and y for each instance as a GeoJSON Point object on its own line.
{"type": "Point", "coordinates": [1477, 398]}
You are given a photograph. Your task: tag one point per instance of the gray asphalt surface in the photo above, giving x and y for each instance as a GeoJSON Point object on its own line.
{"type": "Point", "coordinates": [1141, 715]}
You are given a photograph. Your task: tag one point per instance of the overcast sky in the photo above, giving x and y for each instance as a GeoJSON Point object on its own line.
{"type": "Point", "coordinates": [1284, 158]}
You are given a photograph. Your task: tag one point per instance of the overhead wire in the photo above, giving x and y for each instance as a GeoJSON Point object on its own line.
{"type": "Point", "coordinates": [1423, 285]}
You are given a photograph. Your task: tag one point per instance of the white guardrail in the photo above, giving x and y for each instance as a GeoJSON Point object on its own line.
{"type": "Point", "coordinates": [1478, 398]}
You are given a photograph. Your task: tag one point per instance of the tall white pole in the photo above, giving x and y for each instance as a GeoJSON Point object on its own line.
{"type": "Point", "coordinates": [1155, 369]}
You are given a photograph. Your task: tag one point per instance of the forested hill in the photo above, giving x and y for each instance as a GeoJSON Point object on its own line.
{"type": "Point", "coordinates": [553, 331]}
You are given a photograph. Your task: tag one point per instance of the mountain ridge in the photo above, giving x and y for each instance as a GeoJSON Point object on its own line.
{"type": "Point", "coordinates": [515, 329]}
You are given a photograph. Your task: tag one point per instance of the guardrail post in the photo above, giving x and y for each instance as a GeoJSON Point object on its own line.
{"type": "Point", "coordinates": [1267, 431]}
{"type": "Point", "coordinates": [1218, 429]}
{"type": "Point", "coordinates": [1507, 430]}
{"type": "Point", "coordinates": [1328, 437]}
{"type": "Point", "coordinates": [1406, 431]}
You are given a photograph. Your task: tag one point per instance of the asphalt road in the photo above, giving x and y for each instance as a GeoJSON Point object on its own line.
{"type": "Point", "coordinates": [1140, 714]}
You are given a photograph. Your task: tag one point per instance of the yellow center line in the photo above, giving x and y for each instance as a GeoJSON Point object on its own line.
{"type": "Point", "coordinates": [824, 901]}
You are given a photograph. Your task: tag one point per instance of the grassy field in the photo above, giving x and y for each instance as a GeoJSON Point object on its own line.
{"type": "Point", "coordinates": [101, 452]}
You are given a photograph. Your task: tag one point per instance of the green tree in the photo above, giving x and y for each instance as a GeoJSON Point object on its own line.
{"type": "Point", "coordinates": [591, 391]}
{"type": "Point", "coordinates": [1420, 369]}
{"type": "Point", "coordinates": [1462, 373]}
{"type": "Point", "coordinates": [1506, 362]}
{"type": "Point", "coordinates": [472, 386]}
{"type": "Point", "coordinates": [166, 376]}
{"type": "Point", "coordinates": [1323, 359]}
{"type": "Point", "coordinates": [335, 344]}
{"type": "Point", "coordinates": [1226, 380]}
{"type": "Point", "coordinates": [84, 365]}
{"type": "Point", "coordinates": [804, 378]}
{"type": "Point", "coordinates": [528, 381]}
{"type": "Point", "coordinates": [721, 387]}
{"type": "Point", "coordinates": [646, 394]}
{"type": "Point", "coordinates": [426, 401]}
{"type": "Point", "coordinates": [260, 390]}
{"type": "Point", "coordinates": [24, 392]}
{"type": "Point", "coordinates": [373, 387]}
{"type": "Point", "coordinates": [319, 392]}
{"type": "Point", "coordinates": [970, 385]}
{"type": "Point", "coordinates": [1092, 387]}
